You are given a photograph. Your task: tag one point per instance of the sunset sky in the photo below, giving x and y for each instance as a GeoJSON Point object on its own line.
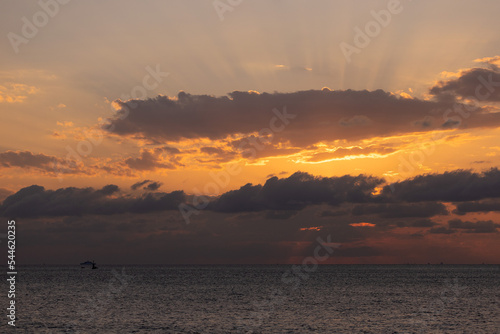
{"type": "Point", "coordinates": [241, 131]}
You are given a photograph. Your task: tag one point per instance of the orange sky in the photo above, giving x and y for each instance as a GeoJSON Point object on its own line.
{"type": "Point", "coordinates": [178, 97]}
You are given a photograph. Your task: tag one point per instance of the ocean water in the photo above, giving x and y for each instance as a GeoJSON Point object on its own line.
{"type": "Point", "coordinates": [258, 299]}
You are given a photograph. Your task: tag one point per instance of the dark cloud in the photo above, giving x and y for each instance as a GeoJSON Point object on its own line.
{"type": "Point", "coordinates": [4, 193]}
{"type": "Point", "coordinates": [441, 230]}
{"type": "Point", "coordinates": [417, 223]}
{"type": "Point", "coordinates": [212, 150]}
{"type": "Point", "coordinates": [296, 192]}
{"type": "Point", "coordinates": [108, 190]}
{"type": "Point", "coordinates": [35, 201]}
{"type": "Point", "coordinates": [481, 226]}
{"type": "Point", "coordinates": [454, 186]}
{"type": "Point", "coordinates": [280, 214]}
{"type": "Point", "coordinates": [254, 147]}
{"type": "Point", "coordinates": [25, 159]}
{"type": "Point", "coordinates": [153, 186]}
{"type": "Point", "coordinates": [422, 223]}
{"type": "Point", "coordinates": [279, 198]}
{"type": "Point", "coordinates": [478, 83]}
{"type": "Point", "coordinates": [171, 150]}
{"type": "Point", "coordinates": [148, 185]}
{"type": "Point", "coordinates": [300, 118]}
{"type": "Point", "coordinates": [149, 160]}
{"type": "Point", "coordinates": [41, 162]}
{"type": "Point", "coordinates": [400, 210]}
{"type": "Point", "coordinates": [139, 184]}
{"type": "Point", "coordinates": [330, 213]}
{"type": "Point", "coordinates": [479, 206]}
{"type": "Point", "coordinates": [217, 154]}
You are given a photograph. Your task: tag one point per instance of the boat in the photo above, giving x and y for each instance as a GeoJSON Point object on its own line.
{"type": "Point", "coordinates": [88, 264]}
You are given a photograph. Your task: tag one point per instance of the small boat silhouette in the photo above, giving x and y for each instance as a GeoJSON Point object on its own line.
{"type": "Point", "coordinates": [88, 264]}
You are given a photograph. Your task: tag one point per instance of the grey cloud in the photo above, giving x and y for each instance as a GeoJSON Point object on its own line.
{"type": "Point", "coordinates": [480, 226]}
{"type": "Point", "coordinates": [441, 230]}
{"type": "Point", "coordinates": [330, 213]}
{"type": "Point", "coordinates": [278, 198]}
{"type": "Point", "coordinates": [478, 83]}
{"type": "Point", "coordinates": [478, 206]}
{"type": "Point", "coordinates": [35, 201]}
{"type": "Point", "coordinates": [153, 186]}
{"type": "Point", "coordinates": [454, 186]}
{"type": "Point", "coordinates": [4, 193]}
{"type": "Point", "coordinates": [41, 162]}
{"type": "Point", "coordinates": [417, 223]}
{"type": "Point", "coordinates": [310, 117]}
{"type": "Point", "coordinates": [139, 184]}
{"type": "Point", "coordinates": [148, 185]}
{"type": "Point", "coordinates": [400, 210]}
{"type": "Point", "coordinates": [296, 192]}
{"type": "Point", "coordinates": [150, 159]}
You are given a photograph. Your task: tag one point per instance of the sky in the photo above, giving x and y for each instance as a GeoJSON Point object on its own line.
{"type": "Point", "coordinates": [179, 132]}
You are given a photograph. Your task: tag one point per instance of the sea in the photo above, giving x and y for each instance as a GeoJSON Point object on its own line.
{"type": "Point", "coordinates": [257, 299]}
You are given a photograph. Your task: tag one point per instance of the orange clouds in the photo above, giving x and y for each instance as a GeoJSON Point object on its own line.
{"type": "Point", "coordinates": [363, 224]}
{"type": "Point", "coordinates": [15, 92]}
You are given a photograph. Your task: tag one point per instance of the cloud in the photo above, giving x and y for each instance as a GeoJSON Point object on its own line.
{"type": "Point", "coordinates": [298, 119]}
{"type": "Point", "coordinates": [417, 223]}
{"type": "Point", "coordinates": [441, 230]}
{"type": "Point", "coordinates": [25, 159]}
{"type": "Point", "coordinates": [477, 83]}
{"type": "Point", "coordinates": [4, 193]}
{"type": "Point", "coordinates": [355, 121]}
{"type": "Point", "coordinates": [478, 206]}
{"type": "Point", "coordinates": [277, 198]}
{"type": "Point", "coordinates": [151, 159]}
{"type": "Point", "coordinates": [38, 161]}
{"type": "Point", "coordinates": [139, 184]}
{"type": "Point", "coordinates": [422, 223]}
{"type": "Point", "coordinates": [351, 151]}
{"type": "Point", "coordinates": [454, 186]}
{"type": "Point", "coordinates": [480, 226]}
{"type": "Point", "coordinates": [153, 186]}
{"type": "Point", "coordinates": [330, 213]}
{"type": "Point", "coordinates": [495, 61]}
{"type": "Point", "coordinates": [296, 192]}
{"type": "Point", "coordinates": [15, 92]}
{"type": "Point", "coordinates": [36, 201]}
{"type": "Point", "coordinates": [148, 185]}
{"type": "Point", "coordinates": [401, 210]}
{"type": "Point", "coordinates": [280, 214]}
{"type": "Point", "coordinates": [217, 154]}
